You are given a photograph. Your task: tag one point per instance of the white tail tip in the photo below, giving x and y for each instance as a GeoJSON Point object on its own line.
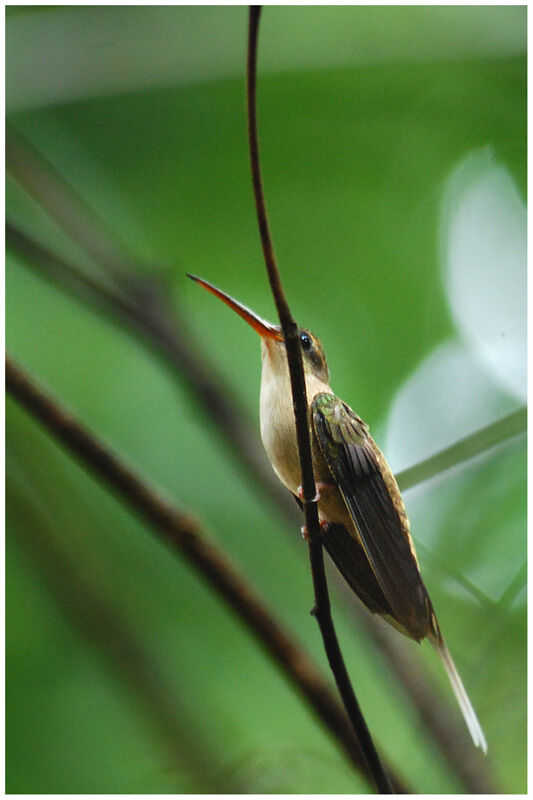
{"type": "Point", "coordinates": [465, 705]}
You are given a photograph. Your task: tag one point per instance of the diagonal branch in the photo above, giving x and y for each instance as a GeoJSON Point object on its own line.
{"type": "Point", "coordinates": [64, 205]}
{"type": "Point", "coordinates": [183, 533]}
{"type": "Point", "coordinates": [464, 449]}
{"type": "Point", "coordinates": [322, 609]}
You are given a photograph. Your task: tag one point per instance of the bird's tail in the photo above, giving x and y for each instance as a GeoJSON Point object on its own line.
{"type": "Point", "coordinates": [465, 705]}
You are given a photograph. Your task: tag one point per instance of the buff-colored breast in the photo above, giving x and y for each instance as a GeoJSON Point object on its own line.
{"type": "Point", "coordinates": [278, 433]}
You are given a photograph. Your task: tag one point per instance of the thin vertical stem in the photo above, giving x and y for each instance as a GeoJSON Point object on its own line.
{"type": "Point", "coordinates": [322, 609]}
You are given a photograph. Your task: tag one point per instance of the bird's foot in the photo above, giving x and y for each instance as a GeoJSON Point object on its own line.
{"type": "Point", "coordinates": [323, 528]}
{"type": "Point", "coordinates": [321, 490]}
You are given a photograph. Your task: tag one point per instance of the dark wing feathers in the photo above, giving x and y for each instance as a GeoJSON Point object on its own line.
{"type": "Point", "coordinates": [378, 515]}
{"type": "Point", "coordinates": [352, 562]}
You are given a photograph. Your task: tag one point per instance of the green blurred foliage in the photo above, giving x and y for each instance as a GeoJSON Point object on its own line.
{"type": "Point", "coordinates": [354, 161]}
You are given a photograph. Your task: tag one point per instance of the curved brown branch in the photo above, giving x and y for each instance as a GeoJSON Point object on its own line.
{"type": "Point", "coordinates": [183, 533]}
{"type": "Point", "coordinates": [322, 609]}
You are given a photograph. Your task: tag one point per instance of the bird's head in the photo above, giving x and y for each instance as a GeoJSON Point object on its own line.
{"type": "Point", "coordinates": [273, 344]}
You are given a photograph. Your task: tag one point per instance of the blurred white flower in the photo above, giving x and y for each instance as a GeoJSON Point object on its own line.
{"type": "Point", "coordinates": [448, 397]}
{"type": "Point", "coordinates": [484, 261]}
{"type": "Point", "coordinates": [472, 381]}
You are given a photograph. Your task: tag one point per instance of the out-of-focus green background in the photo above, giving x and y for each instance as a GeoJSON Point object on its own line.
{"type": "Point", "coordinates": [365, 116]}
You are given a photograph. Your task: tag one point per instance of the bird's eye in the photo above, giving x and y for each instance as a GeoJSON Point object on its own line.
{"type": "Point", "coordinates": [306, 342]}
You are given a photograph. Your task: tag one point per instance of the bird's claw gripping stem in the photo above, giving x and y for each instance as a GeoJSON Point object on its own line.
{"type": "Point", "coordinates": [321, 488]}
{"type": "Point", "coordinates": [323, 528]}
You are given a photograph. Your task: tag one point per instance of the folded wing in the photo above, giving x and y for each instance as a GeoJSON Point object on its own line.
{"type": "Point", "coordinates": [376, 509]}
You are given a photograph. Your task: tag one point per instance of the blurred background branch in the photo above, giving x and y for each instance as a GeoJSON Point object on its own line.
{"type": "Point", "coordinates": [183, 533]}
{"type": "Point", "coordinates": [463, 450]}
{"type": "Point", "coordinates": [81, 596]}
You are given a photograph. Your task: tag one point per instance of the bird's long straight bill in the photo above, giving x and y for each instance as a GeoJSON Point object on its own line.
{"type": "Point", "coordinates": [260, 325]}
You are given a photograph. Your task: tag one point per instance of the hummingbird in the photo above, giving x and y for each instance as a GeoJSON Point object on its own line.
{"type": "Point", "coordinates": [363, 521]}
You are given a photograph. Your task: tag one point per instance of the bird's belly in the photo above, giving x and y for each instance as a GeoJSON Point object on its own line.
{"type": "Point", "coordinates": [278, 432]}
{"type": "Point", "coordinates": [279, 440]}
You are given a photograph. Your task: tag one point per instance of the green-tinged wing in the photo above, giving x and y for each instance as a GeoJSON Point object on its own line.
{"type": "Point", "coordinates": [368, 489]}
